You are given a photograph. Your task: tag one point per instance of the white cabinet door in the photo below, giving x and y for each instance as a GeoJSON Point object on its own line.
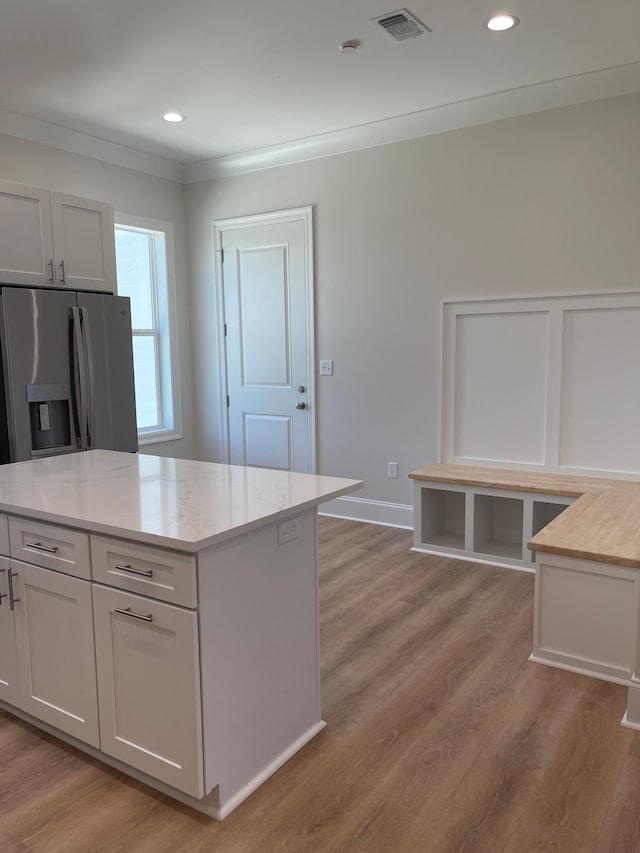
{"type": "Point", "coordinates": [8, 659]}
{"type": "Point", "coordinates": [56, 655]}
{"type": "Point", "coordinates": [149, 687]}
{"type": "Point", "coordinates": [84, 243]}
{"type": "Point", "coordinates": [26, 243]}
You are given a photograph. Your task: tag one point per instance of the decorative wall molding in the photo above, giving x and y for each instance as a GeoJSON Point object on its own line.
{"type": "Point", "coordinates": [543, 383]}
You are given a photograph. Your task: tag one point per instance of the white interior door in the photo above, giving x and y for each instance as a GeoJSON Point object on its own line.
{"type": "Point", "coordinates": [268, 305]}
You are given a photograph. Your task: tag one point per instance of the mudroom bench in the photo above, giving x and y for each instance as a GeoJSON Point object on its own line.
{"type": "Point", "coordinates": [488, 515]}
{"type": "Point", "coordinates": [586, 557]}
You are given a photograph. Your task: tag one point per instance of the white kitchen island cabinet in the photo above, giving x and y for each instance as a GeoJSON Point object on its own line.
{"type": "Point", "coordinates": [149, 686]}
{"type": "Point", "coordinates": [54, 641]}
{"type": "Point", "coordinates": [203, 606]}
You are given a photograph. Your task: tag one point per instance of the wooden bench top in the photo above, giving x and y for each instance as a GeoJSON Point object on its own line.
{"type": "Point", "coordinates": [537, 482]}
{"type": "Point", "coordinates": [602, 525]}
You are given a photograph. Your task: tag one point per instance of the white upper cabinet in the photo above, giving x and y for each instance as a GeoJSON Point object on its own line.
{"type": "Point", "coordinates": [26, 240]}
{"type": "Point", "coordinates": [50, 239]}
{"type": "Point", "coordinates": [83, 243]}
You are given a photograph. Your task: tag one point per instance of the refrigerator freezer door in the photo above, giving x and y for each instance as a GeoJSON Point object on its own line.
{"type": "Point", "coordinates": [38, 374]}
{"type": "Point", "coordinates": [106, 326]}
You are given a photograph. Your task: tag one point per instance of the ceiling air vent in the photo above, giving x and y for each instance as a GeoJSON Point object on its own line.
{"type": "Point", "coordinates": [400, 25]}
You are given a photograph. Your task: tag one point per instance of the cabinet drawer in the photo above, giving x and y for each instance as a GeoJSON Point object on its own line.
{"type": "Point", "coordinates": [161, 574]}
{"type": "Point", "coordinates": [53, 547]}
{"type": "Point", "coordinates": [4, 535]}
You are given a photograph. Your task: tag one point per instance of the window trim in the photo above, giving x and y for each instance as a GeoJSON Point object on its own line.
{"type": "Point", "coordinates": [154, 435]}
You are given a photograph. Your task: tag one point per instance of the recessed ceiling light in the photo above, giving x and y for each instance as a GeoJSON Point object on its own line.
{"type": "Point", "coordinates": [502, 22]}
{"type": "Point", "coordinates": [173, 117]}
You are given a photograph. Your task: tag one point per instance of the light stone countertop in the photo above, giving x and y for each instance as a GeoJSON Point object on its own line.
{"type": "Point", "coordinates": [173, 503]}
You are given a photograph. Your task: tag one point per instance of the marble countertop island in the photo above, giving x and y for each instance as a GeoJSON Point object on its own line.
{"type": "Point", "coordinates": [173, 503]}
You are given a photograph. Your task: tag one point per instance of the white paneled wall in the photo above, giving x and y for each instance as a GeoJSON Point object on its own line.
{"type": "Point", "coordinates": [500, 386]}
{"type": "Point", "coordinates": [550, 383]}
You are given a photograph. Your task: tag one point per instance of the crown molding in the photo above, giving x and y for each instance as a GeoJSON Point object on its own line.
{"type": "Point", "coordinates": [562, 92]}
{"type": "Point", "coordinates": [565, 91]}
{"type": "Point", "coordinates": [45, 133]}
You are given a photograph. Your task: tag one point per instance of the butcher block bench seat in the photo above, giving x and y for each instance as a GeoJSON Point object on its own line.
{"type": "Point", "coordinates": [489, 515]}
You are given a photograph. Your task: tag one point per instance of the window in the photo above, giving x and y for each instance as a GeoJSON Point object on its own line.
{"type": "Point", "coordinates": [144, 260]}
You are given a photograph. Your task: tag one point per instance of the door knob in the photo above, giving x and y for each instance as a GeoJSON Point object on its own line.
{"type": "Point", "coordinates": [301, 405]}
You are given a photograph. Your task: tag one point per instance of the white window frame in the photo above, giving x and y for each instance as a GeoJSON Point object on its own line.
{"type": "Point", "coordinates": [165, 318]}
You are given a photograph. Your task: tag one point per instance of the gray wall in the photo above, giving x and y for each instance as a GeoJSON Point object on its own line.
{"type": "Point", "coordinates": [540, 204]}
{"type": "Point", "coordinates": [546, 203]}
{"type": "Point", "coordinates": [130, 192]}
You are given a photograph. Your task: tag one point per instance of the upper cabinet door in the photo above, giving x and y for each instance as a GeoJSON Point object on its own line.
{"type": "Point", "coordinates": [83, 236]}
{"type": "Point", "coordinates": [26, 244]}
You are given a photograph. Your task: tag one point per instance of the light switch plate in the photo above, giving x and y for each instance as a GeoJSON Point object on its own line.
{"type": "Point", "coordinates": [326, 368]}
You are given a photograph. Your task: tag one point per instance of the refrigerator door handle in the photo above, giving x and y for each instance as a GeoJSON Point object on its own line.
{"type": "Point", "coordinates": [80, 377]}
{"type": "Point", "coordinates": [91, 383]}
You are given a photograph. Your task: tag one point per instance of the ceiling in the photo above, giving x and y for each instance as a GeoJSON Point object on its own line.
{"type": "Point", "coordinates": [267, 76]}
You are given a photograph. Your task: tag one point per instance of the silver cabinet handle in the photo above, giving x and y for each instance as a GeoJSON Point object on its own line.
{"type": "Point", "coordinates": [127, 611]}
{"type": "Point", "coordinates": [129, 568]}
{"type": "Point", "coordinates": [52, 276]}
{"type": "Point", "coordinates": [63, 277]}
{"type": "Point", "coordinates": [2, 594]}
{"type": "Point", "coordinates": [12, 598]}
{"type": "Point", "coordinates": [40, 547]}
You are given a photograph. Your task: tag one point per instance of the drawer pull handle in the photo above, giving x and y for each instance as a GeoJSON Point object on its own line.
{"type": "Point", "coordinates": [40, 547]}
{"type": "Point", "coordinates": [127, 611]}
{"type": "Point", "coordinates": [129, 568]}
{"type": "Point", "coordinates": [12, 596]}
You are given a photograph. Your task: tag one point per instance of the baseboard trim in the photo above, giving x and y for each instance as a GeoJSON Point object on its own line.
{"type": "Point", "coordinates": [580, 670]}
{"type": "Point", "coordinates": [371, 512]}
{"type": "Point", "coordinates": [627, 724]}
{"type": "Point", "coordinates": [227, 806]}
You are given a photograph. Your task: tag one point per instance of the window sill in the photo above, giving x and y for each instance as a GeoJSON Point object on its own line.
{"type": "Point", "coordinates": [157, 437]}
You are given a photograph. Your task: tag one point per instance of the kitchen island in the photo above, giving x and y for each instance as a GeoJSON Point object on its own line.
{"type": "Point", "coordinates": [162, 615]}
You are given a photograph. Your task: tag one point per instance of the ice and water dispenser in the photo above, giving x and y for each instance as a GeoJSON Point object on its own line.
{"type": "Point", "coordinates": [50, 417]}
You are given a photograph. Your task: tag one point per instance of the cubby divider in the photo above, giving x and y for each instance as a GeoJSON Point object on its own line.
{"type": "Point", "coordinates": [482, 524]}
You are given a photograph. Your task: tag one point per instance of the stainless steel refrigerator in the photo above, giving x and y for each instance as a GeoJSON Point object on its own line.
{"type": "Point", "coordinates": [67, 373]}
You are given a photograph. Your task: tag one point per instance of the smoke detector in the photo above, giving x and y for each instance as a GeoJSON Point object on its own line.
{"type": "Point", "coordinates": [400, 25]}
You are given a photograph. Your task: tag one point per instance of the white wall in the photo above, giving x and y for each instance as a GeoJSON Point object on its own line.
{"type": "Point", "coordinates": [540, 204]}
{"type": "Point", "coordinates": [130, 192]}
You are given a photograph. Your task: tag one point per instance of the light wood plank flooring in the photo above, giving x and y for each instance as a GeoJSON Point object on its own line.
{"type": "Point", "coordinates": [441, 736]}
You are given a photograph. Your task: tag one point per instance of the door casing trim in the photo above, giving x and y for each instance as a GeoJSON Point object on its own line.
{"type": "Point", "coordinates": [219, 226]}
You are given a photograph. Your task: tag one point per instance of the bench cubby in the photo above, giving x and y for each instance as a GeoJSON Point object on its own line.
{"type": "Point", "coordinates": [487, 515]}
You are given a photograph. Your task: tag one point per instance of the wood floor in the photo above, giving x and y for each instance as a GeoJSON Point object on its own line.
{"type": "Point", "coordinates": [441, 737]}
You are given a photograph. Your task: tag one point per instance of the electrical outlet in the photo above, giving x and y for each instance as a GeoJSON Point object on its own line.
{"type": "Point", "coordinates": [287, 531]}
{"type": "Point", "coordinates": [392, 470]}
{"type": "Point", "coordinates": [326, 368]}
